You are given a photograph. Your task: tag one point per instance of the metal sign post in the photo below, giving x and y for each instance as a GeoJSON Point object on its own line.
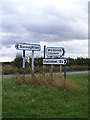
{"type": "Point", "coordinates": [60, 69]}
{"type": "Point", "coordinates": [44, 58]}
{"type": "Point", "coordinates": [23, 62]}
{"type": "Point", "coordinates": [44, 51]}
{"type": "Point", "coordinates": [65, 72]}
{"type": "Point", "coordinates": [33, 62]}
{"type": "Point", "coordinates": [51, 67]}
{"type": "Point", "coordinates": [51, 71]}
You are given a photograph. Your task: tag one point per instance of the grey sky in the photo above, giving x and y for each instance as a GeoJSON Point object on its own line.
{"type": "Point", "coordinates": [45, 21]}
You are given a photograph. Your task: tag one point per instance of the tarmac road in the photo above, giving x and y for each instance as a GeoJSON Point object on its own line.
{"type": "Point", "coordinates": [73, 72]}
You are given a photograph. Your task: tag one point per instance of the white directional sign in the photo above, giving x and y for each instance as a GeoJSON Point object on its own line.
{"type": "Point", "coordinates": [62, 61]}
{"type": "Point", "coordinates": [55, 51]}
{"type": "Point", "coordinates": [26, 46]}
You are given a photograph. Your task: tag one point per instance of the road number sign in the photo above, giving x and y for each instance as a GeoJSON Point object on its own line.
{"type": "Point", "coordinates": [26, 46]}
{"type": "Point", "coordinates": [62, 61]}
{"type": "Point", "coordinates": [55, 51]}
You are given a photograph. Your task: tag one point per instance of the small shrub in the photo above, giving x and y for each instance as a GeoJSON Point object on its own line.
{"type": "Point", "coordinates": [8, 70]}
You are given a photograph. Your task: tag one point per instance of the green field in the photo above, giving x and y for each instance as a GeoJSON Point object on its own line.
{"type": "Point", "coordinates": [39, 101]}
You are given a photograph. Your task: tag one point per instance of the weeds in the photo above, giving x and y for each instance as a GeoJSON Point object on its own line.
{"type": "Point", "coordinates": [48, 81]}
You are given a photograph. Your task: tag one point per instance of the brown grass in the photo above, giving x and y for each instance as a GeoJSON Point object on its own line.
{"type": "Point", "coordinates": [9, 69]}
{"type": "Point", "coordinates": [49, 81]}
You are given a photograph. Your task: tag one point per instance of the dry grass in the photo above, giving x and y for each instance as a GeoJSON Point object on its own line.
{"type": "Point", "coordinates": [49, 81]}
{"type": "Point", "coordinates": [9, 69]}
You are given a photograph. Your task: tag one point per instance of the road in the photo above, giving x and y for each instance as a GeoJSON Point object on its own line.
{"type": "Point", "coordinates": [75, 72]}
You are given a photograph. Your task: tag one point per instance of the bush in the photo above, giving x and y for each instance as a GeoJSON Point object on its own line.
{"type": "Point", "coordinates": [9, 70]}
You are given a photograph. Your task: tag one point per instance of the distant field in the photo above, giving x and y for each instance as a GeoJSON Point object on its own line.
{"type": "Point", "coordinates": [33, 100]}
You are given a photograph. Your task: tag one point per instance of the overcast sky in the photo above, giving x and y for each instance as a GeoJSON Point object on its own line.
{"type": "Point", "coordinates": [53, 23]}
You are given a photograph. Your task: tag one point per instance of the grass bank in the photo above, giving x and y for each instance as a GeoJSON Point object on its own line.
{"type": "Point", "coordinates": [23, 99]}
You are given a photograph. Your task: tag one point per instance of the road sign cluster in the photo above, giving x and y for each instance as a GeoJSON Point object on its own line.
{"type": "Point", "coordinates": [55, 52]}
{"type": "Point", "coordinates": [50, 52]}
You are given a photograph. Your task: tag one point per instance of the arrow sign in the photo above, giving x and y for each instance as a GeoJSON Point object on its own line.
{"type": "Point", "coordinates": [27, 46]}
{"type": "Point", "coordinates": [62, 61]}
{"type": "Point", "coordinates": [55, 51]}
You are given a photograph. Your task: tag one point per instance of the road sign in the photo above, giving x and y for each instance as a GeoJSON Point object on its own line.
{"type": "Point", "coordinates": [27, 46]}
{"type": "Point", "coordinates": [55, 51]}
{"type": "Point", "coordinates": [62, 61]}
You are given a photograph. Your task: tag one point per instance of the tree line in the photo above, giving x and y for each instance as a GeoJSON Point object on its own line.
{"type": "Point", "coordinates": [18, 61]}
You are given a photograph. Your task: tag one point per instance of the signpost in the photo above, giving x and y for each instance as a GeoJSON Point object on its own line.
{"type": "Point", "coordinates": [44, 58]}
{"type": "Point", "coordinates": [23, 62]}
{"type": "Point", "coordinates": [28, 47]}
{"type": "Point", "coordinates": [32, 62]}
{"type": "Point", "coordinates": [55, 51]}
{"type": "Point", "coordinates": [49, 51]}
{"type": "Point", "coordinates": [60, 69]}
{"type": "Point", "coordinates": [61, 61]}
{"type": "Point", "coordinates": [65, 72]}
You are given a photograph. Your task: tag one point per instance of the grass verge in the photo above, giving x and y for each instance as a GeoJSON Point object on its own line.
{"type": "Point", "coordinates": [27, 98]}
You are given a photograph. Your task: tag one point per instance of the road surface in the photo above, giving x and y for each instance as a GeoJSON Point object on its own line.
{"type": "Point", "coordinates": [75, 72]}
